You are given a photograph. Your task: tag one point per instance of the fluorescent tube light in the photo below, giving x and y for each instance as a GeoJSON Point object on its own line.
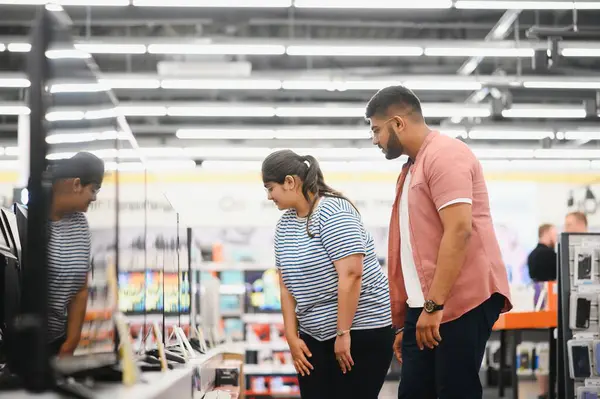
{"type": "Point", "coordinates": [319, 112]}
{"type": "Point", "coordinates": [150, 165]}
{"type": "Point", "coordinates": [539, 112]}
{"type": "Point", "coordinates": [57, 54]}
{"type": "Point", "coordinates": [111, 48]}
{"type": "Point", "coordinates": [582, 135]}
{"type": "Point", "coordinates": [2, 47]}
{"type": "Point", "coordinates": [354, 51]}
{"type": "Point", "coordinates": [526, 5]}
{"type": "Point", "coordinates": [442, 85]}
{"type": "Point", "coordinates": [214, 4]}
{"type": "Point", "coordinates": [274, 134]}
{"type": "Point", "coordinates": [509, 134]}
{"type": "Point", "coordinates": [561, 85]}
{"type": "Point", "coordinates": [132, 83]}
{"type": "Point", "coordinates": [217, 49]}
{"type": "Point", "coordinates": [84, 3]}
{"type": "Point", "coordinates": [141, 110]}
{"type": "Point", "coordinates": [221, 111]}
{"type": "Point", "coordinates": [78, 88]}
{"type": "Point", "coordinates": [19, 47]}
{"type": "Point", "coordinates": [14, 83]}
{"type": "Point", "coordinates": [580, 52]}
{"type": "Point", "coordinates": [84, 137]}
{"type": "Point", "coordinates": [14, 110]}
{"type": "Point", "coordinates": [374, 4]}
{"type": "Point", "coordinates": [478, 52]}
{"type": "Point", "coordinates": [221, 84]}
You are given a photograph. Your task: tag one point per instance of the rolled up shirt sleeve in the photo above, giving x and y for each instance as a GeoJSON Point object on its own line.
{"type": "Point", "coordinates": [450, 176]}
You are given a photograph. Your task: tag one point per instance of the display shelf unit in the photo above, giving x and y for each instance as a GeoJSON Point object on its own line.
{"type": "Point", "coordinates": [571, 268]}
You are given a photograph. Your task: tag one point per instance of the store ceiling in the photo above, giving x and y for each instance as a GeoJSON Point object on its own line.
{"type": "Point", "coordinates": [225, 77]}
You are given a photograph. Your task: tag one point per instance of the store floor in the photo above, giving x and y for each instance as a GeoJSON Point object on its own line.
{"type": "Point", "coordinates": [527, 390]}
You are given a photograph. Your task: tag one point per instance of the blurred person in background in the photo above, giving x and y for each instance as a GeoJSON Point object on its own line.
{"type": "Point", "coordinates": [334, 295]}
{"type": "Point", "coordinates": [542, 260]}
{"type": "Point", "coordinates": [543, 267]}
{"type": "Point", "coordinates": [76, 182]}
{"type": "Point", "coordinates": [576, 222]}
{"type": "Point", "coordinates": [448, 282]}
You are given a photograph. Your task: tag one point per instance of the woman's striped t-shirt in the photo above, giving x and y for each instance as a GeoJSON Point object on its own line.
{"type": "Point", "coordinates": [308, 272]}
{"type": "Point", "coordinates": [69, 248]}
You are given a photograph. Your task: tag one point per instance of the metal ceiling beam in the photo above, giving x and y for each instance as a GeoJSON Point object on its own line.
{"type": "Point", "coordinates": [498, 32]}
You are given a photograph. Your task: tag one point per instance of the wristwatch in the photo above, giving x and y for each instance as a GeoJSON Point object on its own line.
{"type": "Point", "coordinates": [339, 333]}
{"type": "Point", "coordinates": [431, 307]}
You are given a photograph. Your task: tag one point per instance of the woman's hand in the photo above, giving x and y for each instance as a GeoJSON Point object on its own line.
{"type": "Point", "coordinates": [342, 352]}
{"type": "Point", "coordinates": [300, 353]}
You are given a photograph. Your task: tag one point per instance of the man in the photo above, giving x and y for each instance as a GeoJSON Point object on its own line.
{"type": "Point", "coordinates": [542, 260]}
{"type": "Point", "coordinates": [448, 282]}
{"type": "Point", "coordinates": [76, 181]}
{"type": "Point", "coordinates": [542, 267]}
{"type": "Point", "coordinates": [576, 222]}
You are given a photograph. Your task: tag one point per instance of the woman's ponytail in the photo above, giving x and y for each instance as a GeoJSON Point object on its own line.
{"type": "Point", "coordinates": [284, 163]}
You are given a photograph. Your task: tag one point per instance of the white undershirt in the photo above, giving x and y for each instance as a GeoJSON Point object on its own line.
{"type": "Point", "coordinates": [409, 269]}
{"type": "Point", "coordinates": [412, 284]}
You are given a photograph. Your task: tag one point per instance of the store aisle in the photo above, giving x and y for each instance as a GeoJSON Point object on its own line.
{"type": "Point", "coordinates": [527, 390]}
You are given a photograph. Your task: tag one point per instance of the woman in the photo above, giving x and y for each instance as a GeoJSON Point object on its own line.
{"type": "Point", "coordinates": [334, 296]}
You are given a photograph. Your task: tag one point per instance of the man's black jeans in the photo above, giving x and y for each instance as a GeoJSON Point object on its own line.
{"type": "Point", "coordinates": [450, 371]}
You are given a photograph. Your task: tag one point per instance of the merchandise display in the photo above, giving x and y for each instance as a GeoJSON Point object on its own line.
{"type": "Point", "coordinates": [579, 331]}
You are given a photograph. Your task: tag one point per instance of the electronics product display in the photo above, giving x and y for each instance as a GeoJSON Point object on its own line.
{"type": "Point", "coordinates": [586, 269]}
{"type": "Point", "coordinates": [588, 392]}
{"type": "Point", "coordinates": [579, 330]}
{"type": "Point", "coordinates": [262, 290]}
{"type": "Point", "coordinates": [580, 359]}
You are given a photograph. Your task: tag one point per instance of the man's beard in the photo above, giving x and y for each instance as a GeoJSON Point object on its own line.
{"type": "Point", "coordinates": [394, 148]}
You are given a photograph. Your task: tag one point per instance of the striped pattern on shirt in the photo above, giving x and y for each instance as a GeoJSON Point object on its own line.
{"type": "Point", "coordinates": [69, 247]}
{"type": "Point", "coordinates": [308, 272]}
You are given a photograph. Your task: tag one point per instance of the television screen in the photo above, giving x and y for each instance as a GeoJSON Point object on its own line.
{"type": "Point", "coordinates": [171, 300]}
{"type": "Point", "coordinates": [262, 291]}
{"type": "Point", "coordinates": [154, 297]}
{"type": "Point", "coordinates": [131, 293]}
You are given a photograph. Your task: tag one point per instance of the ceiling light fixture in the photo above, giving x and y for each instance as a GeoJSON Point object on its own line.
{"type": "Point", "coordinates": [526, 5]}
{"type": "Point", "coordinates": [374, 4]}
{"type": "Point", "coordinates": [353, 51]}
{"type": "Point", "coordinates": [217, 49]}
{"type": "Point", "coordinates": [213, 4]}
{"type": "Point", "coordinates": [479, 52]}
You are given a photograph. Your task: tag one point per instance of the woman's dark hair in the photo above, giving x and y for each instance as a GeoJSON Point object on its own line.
{"type": "Point", "coordinates": [284, 163]}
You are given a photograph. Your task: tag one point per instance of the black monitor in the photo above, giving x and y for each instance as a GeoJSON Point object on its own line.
{"type": "Point", "coordinates": [10, 221]}
{"type": "Point", "coordinates": [21, 219]}
{"type": "Point", "coordinates": [10, 287]}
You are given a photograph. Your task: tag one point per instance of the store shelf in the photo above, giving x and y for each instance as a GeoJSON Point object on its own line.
{"type": "Point", "coordinates": [274, 346]}
{"type": "Point", "coordinates": [266, 318]}
{"type": "Point", "coordinates": [224, 266]}
{"type": "Point", "coordinates": [269, 369]}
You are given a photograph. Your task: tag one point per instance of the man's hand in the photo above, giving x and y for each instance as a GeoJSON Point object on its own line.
{"type": "Point", "coordinates": [398, 346]}
{"type": "Point", "coordinates": [428, 329]}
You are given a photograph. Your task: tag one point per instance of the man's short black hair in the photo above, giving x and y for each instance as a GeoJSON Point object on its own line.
{"type": "Point", "coordinates": [393, 95]}
{"type": "Point", "coordinates": [84, 166]}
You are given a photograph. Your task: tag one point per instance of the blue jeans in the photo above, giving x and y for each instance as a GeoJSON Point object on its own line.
{"type": "Point", "coordinates": [451, 370]}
